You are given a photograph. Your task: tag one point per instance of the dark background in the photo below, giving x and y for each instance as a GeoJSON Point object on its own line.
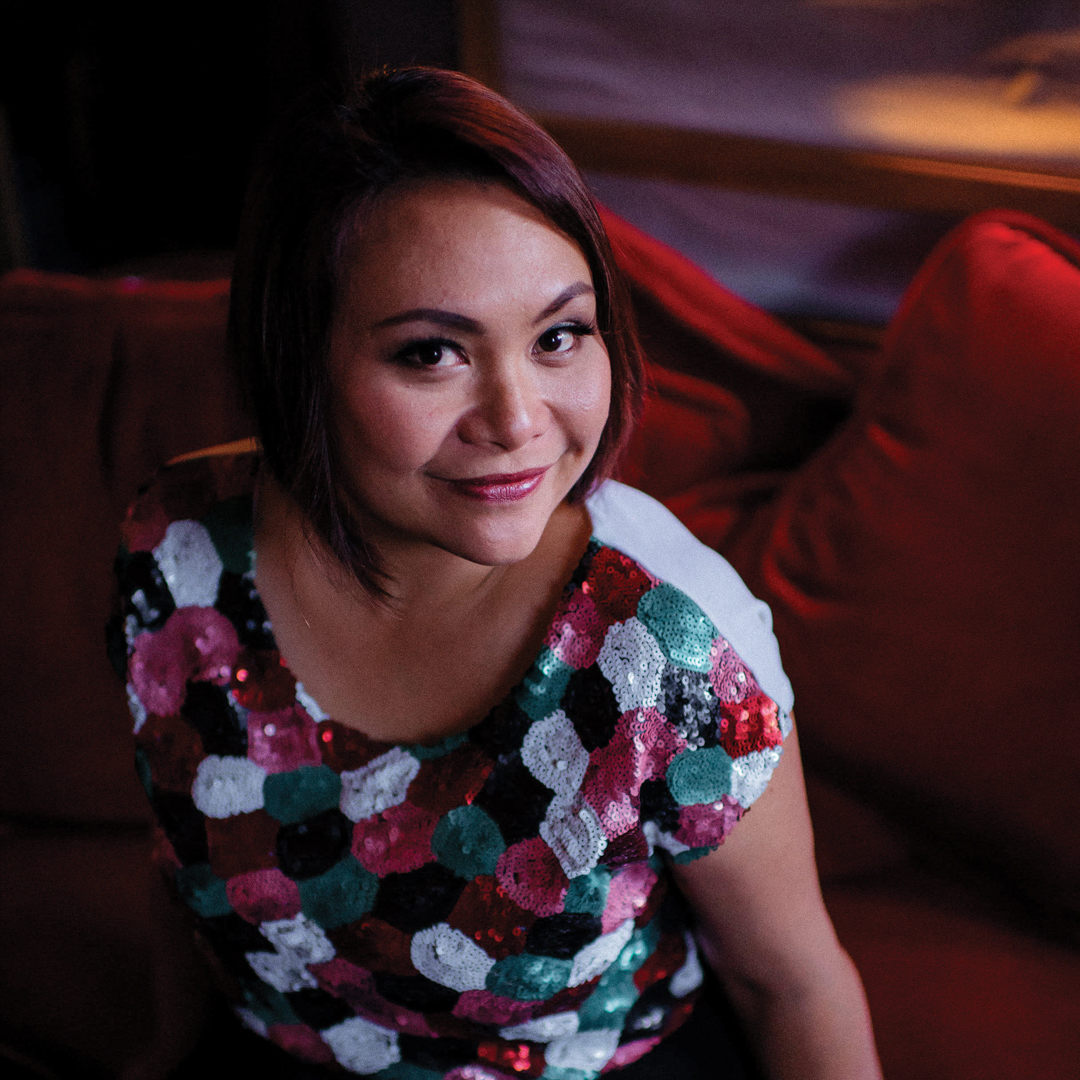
{"type": "Point", "coordinates": [131, 128]}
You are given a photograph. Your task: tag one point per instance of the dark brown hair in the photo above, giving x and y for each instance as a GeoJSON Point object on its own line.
{"type": "Point", "coordinates": [335, 153]}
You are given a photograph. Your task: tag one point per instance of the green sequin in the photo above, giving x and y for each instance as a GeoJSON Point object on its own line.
{"type": "Point", "coordinates": [342, 895]}
{"type": "Point", "coordinates": [404, 1070]}
{"type": "Point", "coordinates": [229, 526]}
{"type": "Point", "coordinates": [556, 1072]}
{"type": "Point", "coordinates": [692, 854]}
{"type": "Point", "coordinates": [440, 749]}
{"type": "Point", "coordinates": [528, 978]}
{"type": "Point", "coordinates": [202, 890]}
{"type": "Point", "coordinates": [541, 691]}
{"type": "Point", "coordinates": [608, 1004]}
{"type": "Point", "coordinates": [588, 893]}
{"type": "Point", "coordinates": [699, 776]}
{"type": "Point", "coordinates": [468, 842]}
{"type": "Point", "coordinates": [142, 770]}
{"type": "Point", "coordinates": [683, 631]}
{"type": "Point", "coordinates": [269, 1005]}
{"type": "Point", "coordinates": [290, 797]}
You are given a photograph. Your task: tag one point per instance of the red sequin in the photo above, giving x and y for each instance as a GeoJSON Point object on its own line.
{"type": "Point", "coordinates": [355, 986]}
{"type": "Point", "coordinates": [344, 749]}
{"type": "Point", "coordinates": [174, 749]}
{"type": "Point", "coordinates": [487, 915]}
{"type": "Point", "coordinates": [450, 781]}
{"type": "Point", "coordinates": [144, 525]}
{"type": "Point", "coordinates": [615, 584]}
{"type": "Point", "coordinates": [669, 956]}
{"type": "Point", "coordinates": [241, 843]}
{"type": "Point", "coordinates": [267, 686]}
{"type": "Point", "coordinates": [374, 945]}
{"type": "Point", "coordinates": [518, 1059]}
{"type": "Point", "coordinates": [749, 725]}
{"type": "Point", "coordinates": [704, 825]}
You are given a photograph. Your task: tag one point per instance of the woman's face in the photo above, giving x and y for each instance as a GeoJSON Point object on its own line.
{"type": "Point", "coordinates": [470, 385]}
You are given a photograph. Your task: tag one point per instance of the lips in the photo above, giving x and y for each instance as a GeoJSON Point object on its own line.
{"type": "Point", "coordinates": [501, 487]}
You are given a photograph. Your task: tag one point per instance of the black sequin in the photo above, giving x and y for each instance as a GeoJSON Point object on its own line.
{"type": "Point", "coordinates": [318, 1008]}
{"type": "Point", "coordinates": [658, 805]}
{"type": "Point", "coordinates": [502, 731]}
{"type": "Point", "coordinates": [313, 846]}
{"type": "Point", "coordinates": [238, 601]}
{"type": "Point", "coordinates": [590, 704]}
{"type": "Point", "coordinates": [208, 709]}
{"type": "Point", "coordinates": [146, 596]}
{"type": "Point", "coordinates": [687, 699]}
{"type": "Point", "coordinates": [441, 1054]}
{"type": "Point", "coordinates": [183, 825]}
{"type": "Point", "coordinates": [415, 992]}
{"type": "Point", "coordinates": [515, 799]}
{"type": "Point", "coordinates": [419, 898]}
{"type": "Point", "coordinates": [561, 936]}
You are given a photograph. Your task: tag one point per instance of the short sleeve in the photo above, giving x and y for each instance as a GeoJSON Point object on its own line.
{"type": "Point", "coordinates": [722, 734]}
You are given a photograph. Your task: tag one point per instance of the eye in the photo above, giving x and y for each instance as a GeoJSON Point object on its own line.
{"type": "Point", "coordinates": [560, 339]}
{"type": "Point", "coordinates": [430, 353]}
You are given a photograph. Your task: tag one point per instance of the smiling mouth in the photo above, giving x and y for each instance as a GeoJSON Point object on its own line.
{"type": "Point", "coordinates": [500, 487]}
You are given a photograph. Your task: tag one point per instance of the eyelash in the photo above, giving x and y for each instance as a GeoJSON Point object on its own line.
{"type": "Point", "coordinates": [408, 353]}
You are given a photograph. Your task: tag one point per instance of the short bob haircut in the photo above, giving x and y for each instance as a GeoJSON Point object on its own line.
{"type": "Point", "coordinates": [335, 154]}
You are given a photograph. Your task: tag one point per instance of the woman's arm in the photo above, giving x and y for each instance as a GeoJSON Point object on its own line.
{"type": "Point", "coordinates": [765, 931]}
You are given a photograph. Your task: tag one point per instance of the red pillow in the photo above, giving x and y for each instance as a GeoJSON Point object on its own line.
{"type": "Point", "coordinates": [922, 567]}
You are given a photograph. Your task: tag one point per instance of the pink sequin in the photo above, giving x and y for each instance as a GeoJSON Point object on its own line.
{"type": "Point", "coordinates": [577, 632]}
{"type": "Point", "coordinates": [396, 841]}
{"type": "Point", "coordinates": [284, 740]}
{"type": "Point", "coordinates": [706, 825]}
{"type": "Point", "coordinates": [532, 877]}
{"type": "Point", "coordinates": [195, 643]}
{"type": "Point", "coordinates": [729, 676]}
{"type": "Point", "coordinates": [630, 1052]}
{"type": "Point", "coordinates": [476, 1072]}
{"type": "Point", "coordinates": [263, 896]}
{"type": "Point", "coordinates": [641, 749]}
{"type": "Point", "coordinates": [485, 1007]}
{"type": "Point", "coordinates": [302, 1041]}
{"type": "Point", "coordinates": [628, 895]}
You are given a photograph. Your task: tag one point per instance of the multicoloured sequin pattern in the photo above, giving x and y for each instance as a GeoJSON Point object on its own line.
{"type": "Point", "coordinates": [493, 906]}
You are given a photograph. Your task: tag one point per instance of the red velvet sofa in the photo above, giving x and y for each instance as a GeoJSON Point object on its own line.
{"type": "Point", "coordinates": [911, 515]}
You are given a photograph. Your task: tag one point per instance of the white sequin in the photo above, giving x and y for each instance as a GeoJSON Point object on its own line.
{"type": "Point", "coordinates": [658, 839]}
{"type": "Point", "coordinates": [361, 1046]}
{"type": "Point", "coordinates": [190, 564]}
{"type": "Point", "coordinates": [138, 710]}
{"type": "Point", "coordinates": [553, 753]}
{"type": "Point", "coordinates": [228, 785]}
{"type": "Point", "coordinates": [448, 957]}
{"type": "Point", "coordinates": [574, 832]}
{"type": "Point", "coordinates": [281, 971]}
{"type": "Point", "coordinates": [596, 957]}
{"type": "Point", "coordinates": [589, 1051]}
{"type": "Point", "coordinates": [690, 975]}
{"type": "Point", "coordinates": [250, 1020]}
{"type": "Point", "coordinates": [299, 937]}
{"type": "Point", "coordinates": [543, 1029]}
{"type": "Point", "coordinates": [310, 705]}
{"type": "Point", "coordinates": [750, 774]}
{"type": "Point", "coordinates": [378, 785]}
{"type": "Point", "coordinates": [632, 662]}
{"type": "Point", "coordinates": [786, 725]}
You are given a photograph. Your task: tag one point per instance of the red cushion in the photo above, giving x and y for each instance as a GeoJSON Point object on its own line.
{"type": "Point", "coordinates": [922, 568]}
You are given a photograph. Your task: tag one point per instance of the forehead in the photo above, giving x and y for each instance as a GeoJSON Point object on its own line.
{"type": "Point", "coordinates": [458, 244]}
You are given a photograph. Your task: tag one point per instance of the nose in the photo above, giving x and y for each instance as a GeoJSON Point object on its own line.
{"type": "Point", "coordinates": [509, 408]}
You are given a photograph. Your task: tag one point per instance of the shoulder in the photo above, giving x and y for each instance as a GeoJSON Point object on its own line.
{"type": "Point", "coordinates": [643, 529]}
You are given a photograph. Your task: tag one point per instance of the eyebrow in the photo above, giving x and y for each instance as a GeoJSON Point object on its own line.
{"type": "Point", "coordinates": [454, 321]}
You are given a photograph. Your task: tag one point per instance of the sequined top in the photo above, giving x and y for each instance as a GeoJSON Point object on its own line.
{"type": "Point", "coordinates": [496, 904]}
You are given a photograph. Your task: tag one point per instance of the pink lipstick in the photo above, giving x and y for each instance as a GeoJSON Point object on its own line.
{"type": "Point", "coordinates": [501, 487]}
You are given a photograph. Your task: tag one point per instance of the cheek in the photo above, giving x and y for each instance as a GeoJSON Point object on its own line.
{"type": "Point", "coordinates": [588, 401]}
{"type": "Point", "coordinates": [387, 426]}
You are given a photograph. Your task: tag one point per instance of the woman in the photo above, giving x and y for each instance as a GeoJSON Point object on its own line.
{"type": "Point", "coordinates": [520, 703]}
